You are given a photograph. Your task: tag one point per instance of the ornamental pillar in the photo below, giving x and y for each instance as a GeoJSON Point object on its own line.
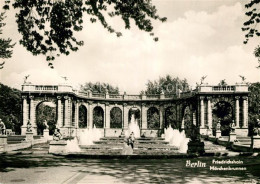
{"type": "Point", "coordinates": [144, 116]}
{"type": "Point", "coordinates": [202, 113]}
{"type": "Point", "coordinates": [237, 111]}
{"type": "Point", "coordinates": [32, 115]}
{"type": "Point", "coordinates": [245, 112]}
{"type": "Point", "coordinates": [90, 115]}
{"type": "Point", "coordinates": [107, 116]}
{"type": "Point", "coordinates": [25, 115]}
{"type": "Point", "coordinates": [66, 111]}
{"type": "Point", "coordinates": [59, 112]}
{"type": "Point", "coordinates": [161, 117]}
{"type": "Point", "coordinates": [76, 114]}
{"type": "Point", "coordinates": [209, 113]}
{"type": "Point", "coordinates": [125, 115]}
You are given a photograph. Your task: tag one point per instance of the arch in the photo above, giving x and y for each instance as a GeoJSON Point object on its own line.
{"type": "Point", "coordinates": [116, 119]}
{"type": "Point", "coordinates": [83, 114]}
{"type": "Point", "coordinates": [222, 112]}
{"type": "Point", "coordinates": [46, 111]}
{"type": "Point", "coordinates": [137, 115]}
{"type": "Point", "coordinates": [171, 117]}
{"type": "Point", "coordinates": [98, 117]}
{"type": "Point", "coordinates": [153, 118]}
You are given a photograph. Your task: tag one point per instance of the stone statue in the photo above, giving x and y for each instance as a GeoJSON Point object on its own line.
{"type": "Point", "coordinates": [233, 126]}
{"type": "Point", "coordinates": [46, 124]}
{"type": "Point", "coordinates": [2, 128]}
{"type": "Point", "coordinates": [29, 126]}
{"type": "Point", "coordinates": [57, 135]}
{"type": "Point", "coordinates": [218, 125]}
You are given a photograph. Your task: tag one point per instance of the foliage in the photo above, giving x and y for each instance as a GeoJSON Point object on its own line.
{"type": "Point", "coordinates": [98, 117]}
{"type": "Point", "coordinates": [48, 26]}
{"type": "Point", "coordinates": [5, 44]}
{"type": "Point", "coordinates": [99, 88]}
{"type": "Point", "coordinates": [10, 108]}
{"type": "Point", "coordinates": [222, 112]}
{"type": "Point", "coordinates": [45, 112]}
{"type": "Point", "coordinates": [171, 117]}
{"type": "Point", "coordinates": [250, 26]}
{"type": "Point", "coordinates": [116, 118]}
{"type": "Point", "coordinates": [153, 118]}
{"type": "Point", "coordinates": [82, 117]}
{"type": "Point", "coordinates": [253, 105]}
{"type": "Point", "coordinates": [168, 84]}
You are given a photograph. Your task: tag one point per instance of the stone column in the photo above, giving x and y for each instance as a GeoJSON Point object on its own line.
{"type": "Point", "coordinates": [25, 115]}
{"type": "Point", "coordinates": [161, 117]}
{"type": "Point", "coordinates": [59, 114]}
{"type": "Point", "coordinates": [125, 112]}
{"type": "Point", "coordinates": [237, 111]}
{"type": "Point", "coordinates": [66, 112]}
{"type": "Point", "coordinates": [202, 113]}
{"type": "Point", "coordinates": [245, 112]}
{"type": "Point", "coordinates": [90, 115]}
{"type": "Point", "coordinates": [194, 118]}
{"type": "Point", "coordinates": [77, 114]}
{"type": "Point", "coordinates": [107, 116]}
{"type": "Point", "coordinates": [209, 112]}
{"type": "Point", "coordinates": [144, 116]}
{"type": "Point", "coordinates": [32, 115]}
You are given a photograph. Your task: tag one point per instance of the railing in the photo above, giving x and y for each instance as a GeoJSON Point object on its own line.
{"type": "Point", "coordinates": [152, 96]}
{"type": "Point", "coordinates": [46, 88]}
{"type": "Point", "coordinates": [116, 96]}
{"type": "Point", "coordinates": [223, 88]}
{"type": "Point", "coordinates": [98, 95]}
{"type": "Point", "coordinates": [132, 97]}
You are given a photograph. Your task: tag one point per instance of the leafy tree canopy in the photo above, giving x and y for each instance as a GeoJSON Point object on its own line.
{"type": "Point", "coordinates": [253, 105]}
{"type": "Point", "coordinates": [5, 44]}
{"type": "Point", "coordinates": [99, 87]}
{"type": "Point", "coordinates": [48, 26]}
{"type": "Point", "coordinates": [168, 84]}
{"type": "Point", "coordinates": [250, 26]}
{"type": "Point", "coordinates": [10, 108]}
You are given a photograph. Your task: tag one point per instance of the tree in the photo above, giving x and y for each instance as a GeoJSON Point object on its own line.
{"type": "Point", "coordinates": [99, 87]}
{"type": "Point", "coordinates": [168, 84]}
{"type": "Point", "coordinates": [250, 26]}
{"type": "Point", "coordinates": [48, 113]}
{"type": "Point", "coordinates": [5, 44]}
{"type": "Point", "coordinates": [253, 105]}
{"type": "Point", "coordinates": [48, 26]}
{"type": "Point", "coordinates": [10, 108]}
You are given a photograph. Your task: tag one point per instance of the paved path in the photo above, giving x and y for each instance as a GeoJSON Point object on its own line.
{"type": "Point", "coordinates": [52, 169]}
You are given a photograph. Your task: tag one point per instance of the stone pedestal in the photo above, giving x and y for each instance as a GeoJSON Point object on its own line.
{"type": "Point", "coordinates": [3, 139]}
{"type": "Point", "coordinates": [196, 147]}
{"type": "Point", "coordinates": [242, 132]}
{"type": "Point", "coordinates": [218, 133]}
{"type": "Point", "coordinates": [256, 141]}
{"type": "Point", "coordinates": [58, 146]}
{"type": "Point", "coordinates": [203, 131]}
{"type": "Point", "coordinates": [232, 137]}
{"type": "Point", "coordinates": [23, 130]}
{"type": "Point", "coordinates": [46, 134]}
{"type": "Point", "coordinates": [29, 136]}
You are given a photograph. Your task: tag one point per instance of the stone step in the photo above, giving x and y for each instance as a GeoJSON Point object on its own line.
{"type": "Point", "coordinates": [143, 147]}
{"type": "Point", "coordinates": [136, 142]}
{"type": "Point", "coordinates": [136, 152]}
{"type": "Point", "coordinates": [141, 138]}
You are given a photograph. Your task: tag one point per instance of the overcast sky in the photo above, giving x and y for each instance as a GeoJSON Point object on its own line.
{"type": "Point", "coordinates": [200, 37]}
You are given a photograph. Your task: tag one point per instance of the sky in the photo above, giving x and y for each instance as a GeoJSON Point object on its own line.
{"type": "Point", "coordinates": [200, 37]}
